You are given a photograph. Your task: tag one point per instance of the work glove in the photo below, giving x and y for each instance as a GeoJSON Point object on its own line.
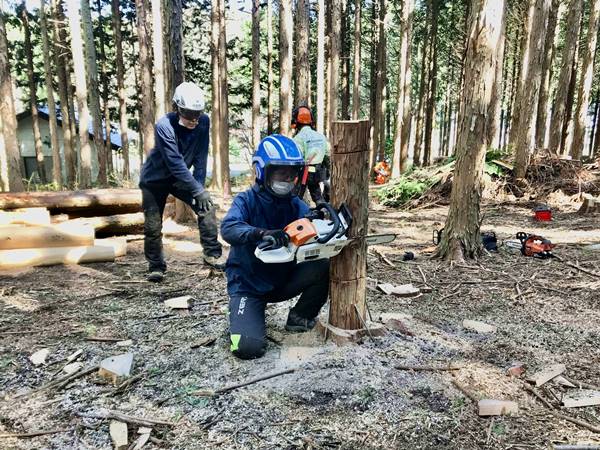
{"type": "Point", "coordinates": [315, 214]}
{"type": "Point", "coordinates": [203, 202]}
{"type": "Point", "coordinates": [273, 239]}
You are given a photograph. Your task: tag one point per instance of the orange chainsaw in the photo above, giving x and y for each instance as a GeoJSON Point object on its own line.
{"type": "Point", "coordinates": [535, 246]}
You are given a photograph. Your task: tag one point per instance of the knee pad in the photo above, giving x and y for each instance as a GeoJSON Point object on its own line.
{"type": "Point", "coordinates": [246, 347]}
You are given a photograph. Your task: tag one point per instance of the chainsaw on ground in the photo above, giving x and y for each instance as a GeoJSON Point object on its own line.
{"type": "Point", "coordinates": [315, 237]}
{"type": "Point", "coordinates": [535, 246]}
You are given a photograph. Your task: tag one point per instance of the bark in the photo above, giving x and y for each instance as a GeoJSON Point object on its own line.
{"type": "Point", "coordinates": [333, 76]}
{"type": "Point", "coordinates": [528, 101]}
{"type": "Point", "coordinates": [54, 143]}
{"type": "Point", "coordinates": [62, 69]}
{"type": "Point", "coordinates": [256, 73]}
{"type": "Point", "coordinates": [271, 77]}
{"type": "Point", "coordinates": [564, 80]}
{"type": "Point", "coordinates": [158, 53]}
{"type": "Point", "coordinates": [431, 83]}
{"type": "Point", "coordinates": [85, 176]}
{"type": "Point", "coordinates": [594, 124]}
{"type": "Point", "coordinates": [286, 30]}
{"type": "Point", "coordinates": [93, 91]}
{"type": "Point", "coordinates": [461, 238]}
{"type": "Point", "coordinates": [356, 59]}
{"type": "Point", "coordinates": [513, 88]}
{"type": "Point", "coordinates": [321, 67]}
{"type": "Point", "coordinates": [421, 103]}
{"type": "Point", "coordinates": [116, 25]}
{"type": "Point", "coordinates": [37, 136]}
{"type": "Point", "coordinates": [595, 149]}
{"type": "Point", "coordinates": [345, 57]}
{"type": "Point", "coordinates": [146, 86]}
{"type": "Point", "coordinates": [104, 78]}
{"type": "Point", "coordinates": [566, 136]}
{"type": "Point", "coordinates": [12, 165]}
{"type": "Point", "coordinates": [585, 85]}
{"type": "Point", "coordinates": [176, 64]}
{"type": "Point", "coordinates": [542, 109]}
{"type": "Point", "coordinates": [302, 54]}
{"type": "Point", "coordinates": [404, 83]}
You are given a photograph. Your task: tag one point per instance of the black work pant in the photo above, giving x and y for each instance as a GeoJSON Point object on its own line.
{"type": "Point", "coordinates": [313, 183]}
{"type": "Point", "coordinates": [247, 313]}
{"type": "Point", "coordinates": [154, 198]}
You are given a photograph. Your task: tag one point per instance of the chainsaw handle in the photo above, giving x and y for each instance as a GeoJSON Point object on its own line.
{"type": "Point", "coordinates": [335, 219]}
{"type": "Point", "coordinates": [267, 243]}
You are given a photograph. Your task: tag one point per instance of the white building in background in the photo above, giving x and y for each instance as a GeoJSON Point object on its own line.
{"type": "Point", "coordinates": [27, 145]}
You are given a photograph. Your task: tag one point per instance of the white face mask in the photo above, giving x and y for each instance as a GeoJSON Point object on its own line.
{"type": "Point", "coordinates": [282, 187]}
{"type": "Point", "coordinates": [188, 124]}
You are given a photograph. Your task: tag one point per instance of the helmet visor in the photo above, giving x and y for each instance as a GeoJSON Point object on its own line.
{"type": "Point", "coordinates": [189, 114]}
{"type": "Point", "coordinates": [284, 180]}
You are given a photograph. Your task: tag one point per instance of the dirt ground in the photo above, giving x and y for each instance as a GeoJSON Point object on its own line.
{"type": "Point", "coordinates": [350, 397]}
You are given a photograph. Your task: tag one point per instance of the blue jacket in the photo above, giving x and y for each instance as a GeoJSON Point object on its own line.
{"type": "Point", "coordinates": [252, 209]}
{"type": "Point", "coordinates": [176, 149]}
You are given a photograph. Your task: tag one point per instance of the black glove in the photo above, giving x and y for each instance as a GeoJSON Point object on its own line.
{"type": "Point", "coordinates": [273, 239]}
{"type": "Point", "coordinates": [203, 202]}
{"type": "Point", "coordinates": [314, 214]}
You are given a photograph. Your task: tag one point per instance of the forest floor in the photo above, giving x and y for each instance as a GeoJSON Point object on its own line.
{"type": "Point", "coordinates": [348, 397]}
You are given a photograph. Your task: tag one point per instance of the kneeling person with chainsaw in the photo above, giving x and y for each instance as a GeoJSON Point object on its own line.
{"type": "Point", "coordinates": [181, 141]}
{"type": "Point", "coordinates": [257, 218]}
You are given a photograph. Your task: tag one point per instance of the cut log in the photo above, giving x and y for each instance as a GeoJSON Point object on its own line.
{"type": "Point", "coordinates": [103, 250]}
{"type": "Point", "coordinates": [61, 235]}
{"type": "Point", "coordinates": [488, 407]}
{"type": "Point", "coordinates": [546, 374]}
{"type": "Point", "coordinates": [92, 202]}
{"type": "Point", "coordinates": [117, 224]}
{"type": "Point", "coordinates": [581, 397]}
{"type": "Point", "coordinates": [26, 216]}
{"type": "Point", "coordinates": [118, 433]}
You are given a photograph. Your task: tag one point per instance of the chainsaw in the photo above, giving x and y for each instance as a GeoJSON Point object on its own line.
{"type": "Point", "coordinates": [315, 237]}
{"type": "Point", "coordinates": [535, 246]}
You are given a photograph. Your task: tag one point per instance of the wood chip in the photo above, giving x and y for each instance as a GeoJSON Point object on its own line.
{"type": "Point", "coordinates": [179, 302]}
{"type": "Point", "coordinates": [581, 397]}
{"type": "Point", "coordinates": [39, 357]}
{"type": "Point", "coordinates": [404, 290]}
{"type": "Point", "coordinates": [490, 407]}
{"type": "Point", "coordinates": [126, 343]}
{"type": "Point", "coordinates": [479, 327]}
{"type": "Point", "coordinates": [72, 368]}
{"type": "Point", "coordinates": [141, 441]}
{"type": "Point", "coordinates": [563, 382]}
{"type": "Point", "coordinates": [546, 374]}
{"type": "Point", "coordinates": [116, 367]}
{"type": "Point", "coordinates": [516, 370]}
{"type": "Point", "coordinates": [118, 434]}
{"type": "Point", "coordinates": [144, 430]}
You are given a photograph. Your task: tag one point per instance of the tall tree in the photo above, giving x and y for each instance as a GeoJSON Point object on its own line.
{"type": "Point", "coordinates": [123, 125]}
{"type": "Point", "coordinates": [35, 121]}
{"type": "Point", "coordinates": [85, 175]}
{"type": "Point", "coordinates": [321, 67]}
{"type": "Point", "coordinates": [8, 117]}
{"type": "Point", "coordinates": [56, 164]}
{"type": "Point", "coordinates": [145, 66]}
{"type": "Point", "coordinates": [403, 115]}
{"type": "Point", "coordinates": [345, 57]}
{"type": "Point", "coordinates": [420, 111]}
{"type": "Point", "coordinates": [461, 238]}
{"type": "Point", "coordinates": [585, 85]}
{"type": "Point", "coordinates": [431, 82]}
{"type": "Point", "coordinates": [286, 31]}
{"type": "Point", "coordinates": [543, 104]}
{"type": "Point", "coordinates": [105, 87]}
{"type": "Point", "coordinates": [559, 112]}
{"type": "Point", "coordinates": [62, 69]}
{"type": "Point", "coordinates": [270, 75]}
{"type": "Point", "coordinates": [302, 54]}
{"type": "Point", "coordinates": [93, 91]}
{"type": "Point", "coordinates": [255, 73]}
{"type": "Point", "coordinates": [220, 110]}
{"type": "Point", "coordinates": [158, 53]}
{"type": "Point", "coordinates": [176, 73]}
{"type": "Point", "coordinates": [333, 76]}
{"type": "Point", "coordinates": [356, 60]}
{"type": "Point", "coordinates": [525, 141]}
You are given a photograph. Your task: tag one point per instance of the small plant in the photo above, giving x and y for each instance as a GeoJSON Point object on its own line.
{"type": "Point", "coordinates": [404, 189]}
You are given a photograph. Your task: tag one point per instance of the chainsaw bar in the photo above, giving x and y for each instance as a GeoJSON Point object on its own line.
{"type": "Point", "coordinates": [377, 239]}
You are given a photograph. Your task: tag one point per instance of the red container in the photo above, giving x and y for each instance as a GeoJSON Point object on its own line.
{"type": "Point", "coordinates": [543, 214]}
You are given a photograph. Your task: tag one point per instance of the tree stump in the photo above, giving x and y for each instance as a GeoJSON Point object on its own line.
{"type": "Point", "coordinates": [350, 185]}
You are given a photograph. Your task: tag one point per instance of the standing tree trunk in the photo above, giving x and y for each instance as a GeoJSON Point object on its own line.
{"type": "Point", "coordinates": [585, 85]}
{"type": "Point", "coordinates": [37, 136]}
{"type": "Point", "coordinates": [345, 56]}
{"type": "Point", "coordinates": [542, 109]}
{"type": "Point", "coordinates": [321, 67]}
{"type": "Point", "coordinates": [538, 15]}
{"type": "Point", "coordinates": [220, 112]}
{"type": "Point", "coordinates": [356, 66]}
{"type": "Point", "coordinates": [62, 67]}
{"type": "Point", "coordinates": [286, 31]}
{"type": "Point", "coordinates": [523, 67]}
{"type": "Point", "coordinates": [420, 106]}
{"type": "Point", "coordinates": [594, 123]}
{"type": "Point", "coordinates": [85, 176]}
{"type": "Point", "coordinates": [566, 136]}
{"type": "Point", "coordinates": [404, 83]}
{"type": "Point", "coordinates": [105, 84]}
{"type": "Point", "coordinates": [158, 53]}
{"type": "Point", "coordinates": [461, 237]}
{"type": "Point", "coordinates": [271, 77]}
{"type": "Point", "coordinates": [8, 118]}
{"type": "Point", "coordinates": [255, 73]}
{"type": "Point", "coordinates": [116, 24]}
{"type": "Point", "coordinates": [431, 82]}
{"type": "Point", "coordinates": [56, 164]}
{"type": "Point", "coordinates": [559, 113]}
{"type": "Point", "coordinates": [176, 66]}
{"type": "Point", "coordinates": [333, 77]}
{"type": "Point", "coordinates": [302, 54]}
{"type": "Point", "coordinates": [146, 87]}
{"type": "Point", "coordinates": [93, 91]}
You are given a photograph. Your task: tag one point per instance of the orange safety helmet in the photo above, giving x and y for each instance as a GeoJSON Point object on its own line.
{"type": "Point", "coordinates": [302, 115]}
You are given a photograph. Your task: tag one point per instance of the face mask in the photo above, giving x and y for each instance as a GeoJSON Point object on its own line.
{"type": "Point", "coordinates": [282, 187]}
{"type": "Point", "coordinates": [188, 124]}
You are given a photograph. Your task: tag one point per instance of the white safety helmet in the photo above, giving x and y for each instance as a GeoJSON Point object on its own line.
{"type": "Point", "coordinates": [189, 96]}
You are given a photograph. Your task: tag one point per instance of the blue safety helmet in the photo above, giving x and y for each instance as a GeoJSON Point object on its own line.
{"type": "Point", "coordinates": [274, 151]}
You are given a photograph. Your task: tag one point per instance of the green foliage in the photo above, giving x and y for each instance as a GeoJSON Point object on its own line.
{"type": "Point", "coordinates": [409, 186]}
